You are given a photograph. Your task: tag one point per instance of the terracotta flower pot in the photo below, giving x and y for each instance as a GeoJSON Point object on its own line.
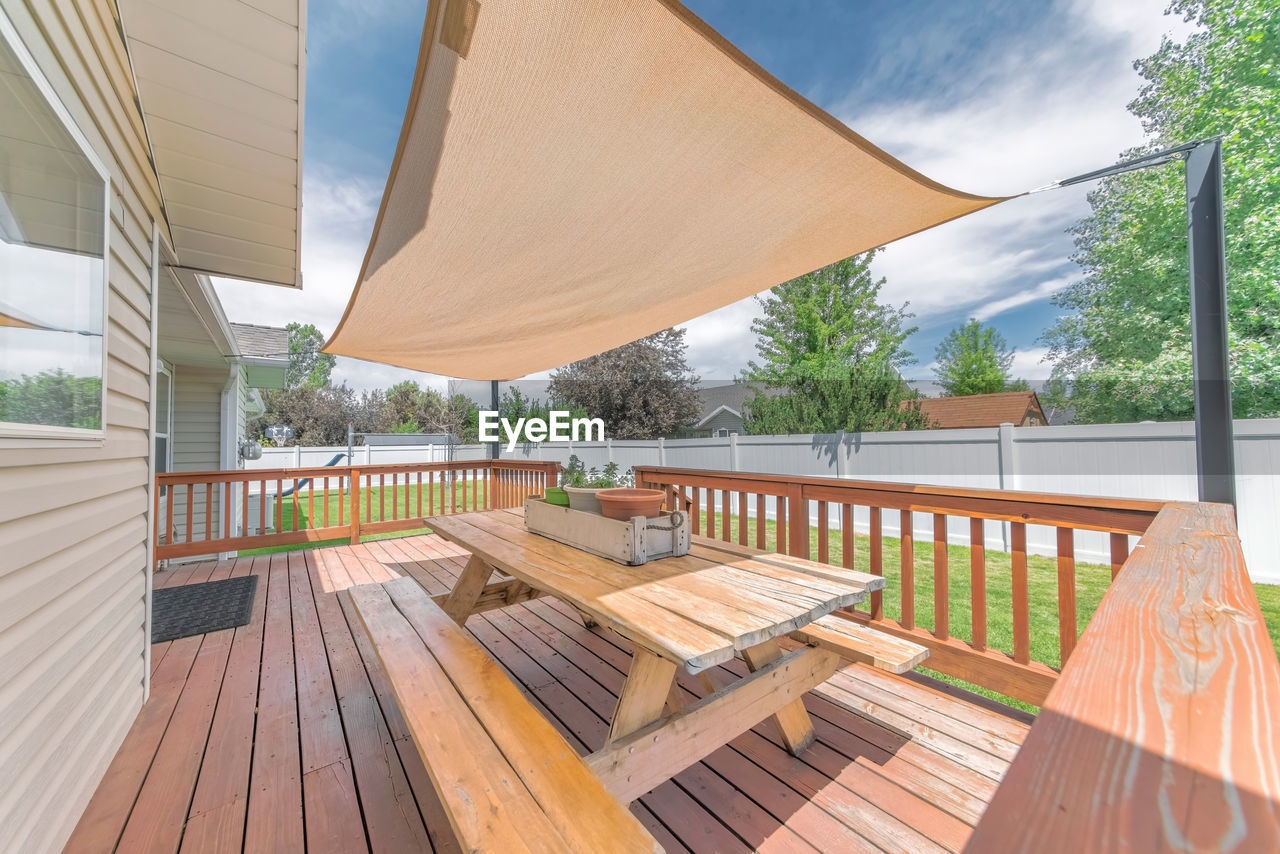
{"type": "Point", "coordinates": [626, 502]}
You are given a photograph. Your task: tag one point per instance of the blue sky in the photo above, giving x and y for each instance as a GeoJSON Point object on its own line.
{"type": "Point", "coordinates": [990, 97]}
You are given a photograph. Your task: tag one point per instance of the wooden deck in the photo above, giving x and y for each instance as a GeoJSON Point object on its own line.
{"type": "Point", "coordinates": [282, 735]}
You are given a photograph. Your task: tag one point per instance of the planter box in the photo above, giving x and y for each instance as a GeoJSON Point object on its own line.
{"type": "Point", "coordinates": [632, 542]}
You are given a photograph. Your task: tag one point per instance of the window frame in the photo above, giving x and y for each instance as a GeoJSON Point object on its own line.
{"type": "Point", "coordinates": [43, 433]}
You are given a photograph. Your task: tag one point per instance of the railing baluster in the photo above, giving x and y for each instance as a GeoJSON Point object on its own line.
{"type": "Point", "coordinates": [780, 528]}
{"type": "Point", "coordinates": [325, 499]}
{"type": "Point", "coordinates": [382, 498]}
{"type": "Point", "coordinates": [875, 559]}
{"type": "Point", "coordinates": [279, 509]}
{"type": "Point", "coordinates": [908, 563]}
{"type": "Point", "coordinates": [297, 505]}
{"type": "Point", "coordinates": [798, 522]}
{"type": "Point", "coordinates": [208, 511]}
{"type": "Point", "coordinates": [1119, 553]}
{"type": "Point", "coordinates": [244, 508]}
{"type": "Point", "coordinates": [355, 491]}
{"type": "Point", "coordinates": [762, 506]}
{"type": "Point", "coordinates": [941, 580]}
{"type": "Point", "coordinates": [1021, 612]}
{"type": "Point", "coordinates": [191, 512]}
{"type": "Point", "coordinates": [228, 519]}
{"type": "Point", "coordinates": [419, 494]}
{"type": "Point", "coordinates": [847, 556]}
{"type": "Point", "coordinates": [978, 581]}
{"type": "Point", "coordinates": [342, 508]}
{"type": "Point", "coordinates": [431, 495]}
{"type": "Point", "coordinates": [695, 509]}
{"type": "Point", "coordinates": [742, 518]}
{"type": "Point", "coordinates": [1066, 593]}
{"type": "Point", "coordinates": [823, 552]}
{"type": "Point", "coordinates": [262, 507]}
{"type": "Point", "coordinates": [311, 504]}
{"type": "Point", "coordinates": [453, 491]}
{"type": "Point", "coordinates": [711, 512]}
{"type": "Point", "coordinates": [725, 533]}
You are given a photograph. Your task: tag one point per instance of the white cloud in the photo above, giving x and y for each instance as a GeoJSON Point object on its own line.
{"type": "Point", "coordinates": [1044, 290]}
{"type": "Point", "coordinates": [1029, 364]}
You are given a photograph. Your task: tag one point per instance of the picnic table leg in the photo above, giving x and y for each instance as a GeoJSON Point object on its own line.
{"type": "Point", "coordinates": [793, 720]}
{"type": "Point", "coordinates": [466, 591]}
{"type": "Point", "coordinates": [644, 694]}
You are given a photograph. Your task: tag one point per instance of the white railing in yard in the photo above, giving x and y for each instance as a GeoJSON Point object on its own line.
{"type": "Point", "coordinates": [1152, 461]}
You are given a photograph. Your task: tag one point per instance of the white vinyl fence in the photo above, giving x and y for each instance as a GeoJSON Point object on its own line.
{"type": "Point", "coordinates": [1155, 461]}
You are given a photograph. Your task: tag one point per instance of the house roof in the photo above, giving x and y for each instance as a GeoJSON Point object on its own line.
{"type": "Point", "coordinates": [980, 410]}
{"type": "Point", "coordinates": [732, 396]}
{"type": "Point", "coordinates": [261, 342]}
{"type": "Point", "coordinates": [221, 89]}
{"type": "Point", "coordinates": [589, 173]}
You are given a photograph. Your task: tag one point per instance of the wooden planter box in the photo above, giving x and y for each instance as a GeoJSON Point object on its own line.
{"type": "Point", "coordinates": [633, 542]}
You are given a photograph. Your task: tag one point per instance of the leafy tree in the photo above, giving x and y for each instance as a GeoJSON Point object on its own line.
{"type": "Point", "coordinates": [830, 355]}
{"type": "Point", "coordinates": [641, 390]}
{"type": "Point", "coordinates": [55, 398]}
{"type": "Point", "coordinates": [318, 416]}
{"type": "Point", "coordinates": [307, 365]}
{"type": "Point", "coordinates": [1124, 351]}
{"type": "Point", "coordinates": [975, 359]}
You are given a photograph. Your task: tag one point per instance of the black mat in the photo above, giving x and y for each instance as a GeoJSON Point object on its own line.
{"type": "Point", "coordinates": [193, 609]}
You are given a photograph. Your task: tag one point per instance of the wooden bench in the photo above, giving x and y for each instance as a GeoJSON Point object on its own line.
{"type": "Point", "coordinates": [860, 643]}
{"type": "Point", "coordinates": [508, 781]}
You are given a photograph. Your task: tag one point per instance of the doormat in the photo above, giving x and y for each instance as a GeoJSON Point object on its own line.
{"type": "Point", "coordinates": [194, 609]}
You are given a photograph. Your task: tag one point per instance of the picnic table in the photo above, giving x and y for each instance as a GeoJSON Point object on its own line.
{"type": "Point", "coordinates": [692, 613]}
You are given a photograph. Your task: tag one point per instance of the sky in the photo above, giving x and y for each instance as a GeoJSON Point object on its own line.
{"type": "Point", "coordinates": [985, 96]}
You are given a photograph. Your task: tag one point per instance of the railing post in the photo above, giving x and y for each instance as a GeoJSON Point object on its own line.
{"type": "Point", "coordinates": [354, 495]}
{"type": "Point", "coordinates": [553, 474]}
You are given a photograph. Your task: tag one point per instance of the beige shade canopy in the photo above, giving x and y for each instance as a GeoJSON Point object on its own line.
{"type": "Point", "coordinates": [576, 174]}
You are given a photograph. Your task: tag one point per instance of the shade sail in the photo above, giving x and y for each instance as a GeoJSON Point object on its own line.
{"type": "Point", "coordinates": [575, 174]}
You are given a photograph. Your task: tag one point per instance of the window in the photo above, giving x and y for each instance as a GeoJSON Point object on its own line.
{"type": "Point", "coordinates": [53, 248]}
{"type": "Point", "coordinates": [164, 416]}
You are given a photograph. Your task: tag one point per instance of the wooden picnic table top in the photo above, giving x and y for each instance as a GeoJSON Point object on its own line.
{"type": "Point", "coordinates": [696, 610]}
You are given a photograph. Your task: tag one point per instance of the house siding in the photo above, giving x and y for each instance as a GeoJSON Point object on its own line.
{"type": "Point", "coordinates": [723, 421]}
{"type": "Point", "coordinates": [73, 524]}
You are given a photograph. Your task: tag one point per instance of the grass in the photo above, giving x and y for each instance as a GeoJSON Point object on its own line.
{"type": "Point", "coordinates": [384, 503]}
{"type": "Point", "coordinates": [1092, 580]}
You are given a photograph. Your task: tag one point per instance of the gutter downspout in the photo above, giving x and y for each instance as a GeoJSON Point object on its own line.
{"type": "Point", "coordinates": [229, 444]}
{"type": "Point", "coordinates": [154, 356]}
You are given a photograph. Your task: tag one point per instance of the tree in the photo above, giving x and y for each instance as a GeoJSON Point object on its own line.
{"type": "Point", "coordinates": [975, 359]}
{"type": "Point", "coordinates": [1124, 351]}
{"type": "Point", "coordinates": [307, 365]}
{"type": "Point", "coordinates": [641, 390]}
{"type": "Point", "coordinates": [318, 416]}
{"type": "Point", "coordinates": [830, 355]}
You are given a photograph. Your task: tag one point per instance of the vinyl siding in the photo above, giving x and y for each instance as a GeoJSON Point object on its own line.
{"type": "Point", "coordinates": [72, 515]}
{"type": "Point", "coordinates": [723, 421]}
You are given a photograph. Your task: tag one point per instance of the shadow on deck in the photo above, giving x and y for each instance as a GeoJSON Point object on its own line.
{"type": "Point", "coordinates": [282, 735]}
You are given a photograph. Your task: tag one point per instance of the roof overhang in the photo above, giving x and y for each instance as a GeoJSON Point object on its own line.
{"type": "Point", "coordinates": [722, 408]}
{"type": "Point", "coordinates": [573, 175]}
{"type": "Point", "coordinates": [221, 87]}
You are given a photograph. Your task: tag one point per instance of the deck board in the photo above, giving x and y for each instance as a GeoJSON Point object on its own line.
{"type": "Point", "coordinates": [283, 734]}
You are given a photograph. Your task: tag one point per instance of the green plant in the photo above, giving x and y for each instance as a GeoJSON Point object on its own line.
{"type": "Point", "coordinates": [577, 475]}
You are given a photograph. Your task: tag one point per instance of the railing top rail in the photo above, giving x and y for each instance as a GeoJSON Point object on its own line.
{"type": "Point", "coordinates": [1170, 705]}
{"type": "Point", "coordinates": [222, 476]}
{"type": "Point", "coordinates": [1138, 505]}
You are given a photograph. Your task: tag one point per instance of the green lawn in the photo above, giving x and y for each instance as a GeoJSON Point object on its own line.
{"type": "Point", "coordinates": [383, 503]}
{"type": "Point", "coordinates": [1042, 577]}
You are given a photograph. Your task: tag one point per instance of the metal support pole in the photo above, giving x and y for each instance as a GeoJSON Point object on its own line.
{"type": "Point", "coordinates": [1211, 368]}
{"type": "Point", "coordinates": [496, 447]}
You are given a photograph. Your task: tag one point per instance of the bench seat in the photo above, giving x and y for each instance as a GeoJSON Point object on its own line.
{"type": "Point", "coordinates": [860, 643]}
{"type": "Point", "coordinates": [507, 779]}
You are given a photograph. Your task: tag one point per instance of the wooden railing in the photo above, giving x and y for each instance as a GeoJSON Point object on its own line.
{"type": "Point", "coordinates": [1163, 731]}
{"type": "Point", "coordinates": [740, 504]}
{"type": "Point", "coordinates": [273, 507]}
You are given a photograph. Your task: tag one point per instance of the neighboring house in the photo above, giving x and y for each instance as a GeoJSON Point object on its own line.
{"type": "Point", "coordinates": [722, 412]}
{"type": "Point", "coordinates": [1020, 408]}
{"type": "Point", "coordinates": [145, 147]}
